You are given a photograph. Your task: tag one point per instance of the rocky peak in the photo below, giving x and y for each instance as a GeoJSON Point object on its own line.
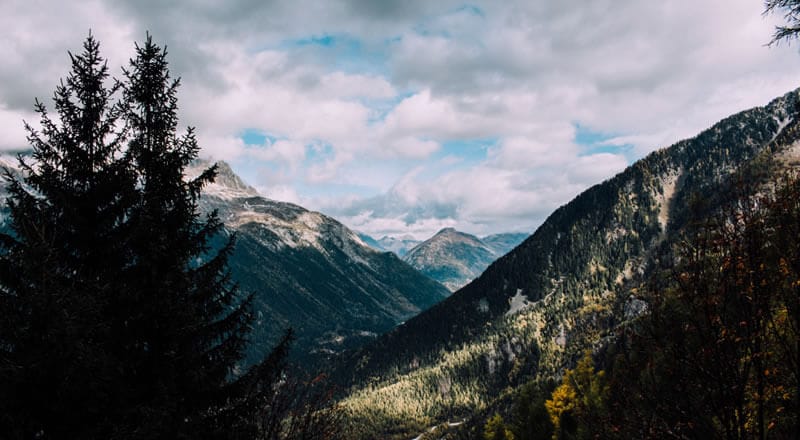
{"type": "Point", "coordinates": [227, 185]}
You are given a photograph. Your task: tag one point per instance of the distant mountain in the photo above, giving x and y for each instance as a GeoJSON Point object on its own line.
{"type": "Point", "coordinates": [399, 245]}
{"type": "Point", "coordinates": [563, 290]}
{"type": "Point", "coordinates": [311, 273]}
{"type": "Point", "coordinates": [371, 242]}
{"type": "Point", "coordinates": [455, 258]}
{"type": "Point", "coordinates": [502, 244]}
{"type": "Point", "coordinates": [307, 271]}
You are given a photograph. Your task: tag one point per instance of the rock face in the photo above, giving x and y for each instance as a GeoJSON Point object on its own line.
{"type": "Point", "coordinates": [563, 289]}
{"type": "Point", "coordinates": [313, 274]}
{"type": "Point", "coordinates": [455, 258]}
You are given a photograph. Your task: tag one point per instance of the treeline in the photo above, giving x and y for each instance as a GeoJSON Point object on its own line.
{"type": "Point", "coordinates": [118, 315]}
{"type": "Point", "coordinates": [715, 352]}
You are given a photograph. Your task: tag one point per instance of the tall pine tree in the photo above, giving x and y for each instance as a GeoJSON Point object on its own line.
{"type": "Point", "coordinates": [66, 218]}
{"type": "Point", "coordinates": [119, 319]}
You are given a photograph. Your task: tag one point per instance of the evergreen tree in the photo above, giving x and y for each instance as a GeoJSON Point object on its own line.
{"type": "Point", "coordinates": [66, 218]}
{"type": "Point", "coordinates": [791, 13]}
{"type": "Point", "coordinates": [119, 318]}
{"type": "Point", "coordinates": [191, 331]}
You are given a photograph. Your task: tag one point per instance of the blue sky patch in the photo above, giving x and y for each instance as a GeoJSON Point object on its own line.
{"type": "Point", "coordinates": [594, 142]}
{"type": "Point", "coordinates": [254, 136]}
{"type": "Point", "coordinates": [343, 52]}
{"type": "Point", "coordinates": [472, 9]}
{"type": "Point", "coordinates": [380, 108]}
{"type": "Point", "coordinates": [471, 151]}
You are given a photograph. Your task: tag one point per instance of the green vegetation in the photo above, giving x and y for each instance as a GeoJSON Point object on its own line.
{"type": "Point", "coordinates": [716, 353]}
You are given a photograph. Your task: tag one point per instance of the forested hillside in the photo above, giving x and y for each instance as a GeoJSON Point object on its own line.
{"type": "Point", "coordinates": [311, 273]}
{"type": "Point", "coordinates": [565, 289]}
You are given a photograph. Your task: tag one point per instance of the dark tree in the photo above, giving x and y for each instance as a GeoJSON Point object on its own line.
{"type": "Point", "coordinates": [716, 354]}
{"type": "Point", "coordinates": [59, 263]}
{"type": "Point", "coordinates": [119, 318]}
{"type": "Point", "coordinates": [189, 332]}
{"type": "Point", "coordinates": [791, 13]}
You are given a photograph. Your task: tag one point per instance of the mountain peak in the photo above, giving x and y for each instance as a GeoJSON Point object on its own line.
{"type": "Point", "coordinates": [451, 257]}
{"type": "Point", "coordinates": [227, 179]}
{"type": "Point", "coordinates": [227, 185]}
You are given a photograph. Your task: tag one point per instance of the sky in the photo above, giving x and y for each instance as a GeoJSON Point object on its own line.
{"type": "Point", "coordinates": [403, 117]}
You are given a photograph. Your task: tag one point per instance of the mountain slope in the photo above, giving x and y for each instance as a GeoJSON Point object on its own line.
{"type": "Point", "coordinates": [312, 273]}
{"type": "Point", "coordinates": [534, 310]}
{"type": "Point", "coordinates": [399, 245]}
{"type": "Point", "coordinates": [454, 258]}
{"type": "Point", "coordinates": [307, 271]}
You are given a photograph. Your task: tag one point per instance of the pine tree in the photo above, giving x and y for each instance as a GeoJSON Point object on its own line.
{"type": "Point", "coordinates": [192, 333]}
{"type": "Point", "coordinates": [119, 318]}
{"type": "Point", "coordinates": [791, 13]}
{"type": "Point", "coordinates": [66, 218]}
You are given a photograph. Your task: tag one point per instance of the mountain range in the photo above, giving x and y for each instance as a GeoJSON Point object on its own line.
{"type": "Point", "coordinates": [455, 258]}
{"type": "Point", "coordinates": [311, 273]}
{"type": "Point", "coordinates": [564, 290]}
{"type": "Point", "coordinates": [399, 245]}
{"type": "Point", "coordinates": [407, 352]}
{"type": "Point", "coordinates": [307, 272]}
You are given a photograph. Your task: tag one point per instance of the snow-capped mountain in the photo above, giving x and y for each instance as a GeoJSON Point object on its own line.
{"type": "Point", "coordinates": [455, 258]}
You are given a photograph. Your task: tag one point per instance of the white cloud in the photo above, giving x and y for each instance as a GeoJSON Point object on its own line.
{"type": "Point", "coordinates": [375, 100]}
{"type": "Point", "coordinates": [12, 131]}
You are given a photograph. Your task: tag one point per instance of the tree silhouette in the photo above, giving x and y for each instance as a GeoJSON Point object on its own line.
{"type": "Point", "coordinates": [119, 317]}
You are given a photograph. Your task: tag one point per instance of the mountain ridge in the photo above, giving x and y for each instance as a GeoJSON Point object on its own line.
{"type": "Point", "coordinates": [311, 273]}
{"type": "Point", "coordinates": [559, 292]}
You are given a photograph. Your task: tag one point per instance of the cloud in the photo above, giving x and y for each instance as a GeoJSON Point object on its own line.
{"type": "Point", "coordinates": [12, 132]}
{"type": "Point", "coordinates": [481, 199]}
{"type": "Point", "coordinates": [361, 102]}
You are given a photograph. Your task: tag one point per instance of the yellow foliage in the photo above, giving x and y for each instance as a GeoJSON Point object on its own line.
{"type": "Point", "coordinates": [496, 429]}
{"type": "Point", "coordinates": [581, 391]}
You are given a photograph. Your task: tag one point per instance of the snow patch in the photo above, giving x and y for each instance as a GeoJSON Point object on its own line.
{"type": "Point", "coordinates": [518, 302]}
{"type": "Point", "coordinates": [782, 123]}
{"type": "Point", "coordinates": [228, 193]}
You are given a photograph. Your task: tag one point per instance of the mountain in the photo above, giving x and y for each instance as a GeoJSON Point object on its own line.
{"type": "Point", "coordinates": [534, 311]}
{"type": "Point", "coordinates": [311, 273]}
{"type": "Point", "coordinates": [371, 242]}
{"type": "Point", "coordinates": [455, 258]}
{"type": "Point", "coordinates": [307, 271]}
{"type": "Point", "coordinates": [399, 245]}
{"type": "Point", "coordinates": [502, 244]}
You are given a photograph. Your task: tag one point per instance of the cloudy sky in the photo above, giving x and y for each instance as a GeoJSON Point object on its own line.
{"type": "Point", "coordinates": [403, 117]}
